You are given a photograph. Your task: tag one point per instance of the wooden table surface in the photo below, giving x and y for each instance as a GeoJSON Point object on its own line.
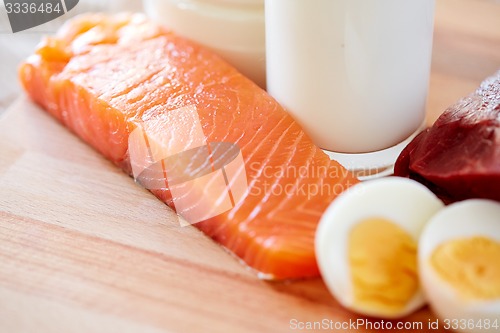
{"type": "Point", "coordinates": [83, 249]}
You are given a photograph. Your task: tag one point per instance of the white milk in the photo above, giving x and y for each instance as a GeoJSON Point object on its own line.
{"type": "Point", "coordinates": [354, 73]}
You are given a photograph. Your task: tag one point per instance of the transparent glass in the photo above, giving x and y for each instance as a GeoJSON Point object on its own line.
{"type": "Point", "coordinates": [354, 73]}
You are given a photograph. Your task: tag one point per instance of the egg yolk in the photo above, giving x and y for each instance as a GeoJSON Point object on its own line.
{"type": "Point", "coordinates": [471, 266]}
{"type": "Point", "coordinates": [383, 263]}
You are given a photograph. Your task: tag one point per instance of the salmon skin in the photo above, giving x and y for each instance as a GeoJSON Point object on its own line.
{"type": "Point", "coordinates": [104, 77]}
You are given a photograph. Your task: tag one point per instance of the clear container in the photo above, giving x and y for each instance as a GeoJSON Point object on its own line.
{"type": "Point", "coordinates": [354, 73]}
{"type": "Point", "coordinates": [232, 28]}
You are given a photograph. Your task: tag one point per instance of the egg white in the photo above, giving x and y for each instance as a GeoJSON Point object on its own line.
{"type": "Point", "coordinates": [402, 201]}
{"type": "Point", "coordinates": [470, 218]}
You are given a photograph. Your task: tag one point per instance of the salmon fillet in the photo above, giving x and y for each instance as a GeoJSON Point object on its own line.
{"type": "Point", "coordinates": [103, 76]}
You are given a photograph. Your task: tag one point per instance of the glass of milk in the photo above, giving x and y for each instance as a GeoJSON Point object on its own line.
{"type": "Point", "coordinates": [354, 73]}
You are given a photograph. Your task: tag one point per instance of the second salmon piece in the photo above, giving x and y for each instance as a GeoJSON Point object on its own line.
{"type": "Point", "coordinates": [201, 136]}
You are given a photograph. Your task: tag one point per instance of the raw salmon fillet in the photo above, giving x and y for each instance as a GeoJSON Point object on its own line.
{"type": "Point", "coordinates": [101, 76]}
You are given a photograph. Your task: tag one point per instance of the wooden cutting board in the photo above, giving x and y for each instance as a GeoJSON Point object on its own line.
{"type": "Point", "coordinates": [85, 249]}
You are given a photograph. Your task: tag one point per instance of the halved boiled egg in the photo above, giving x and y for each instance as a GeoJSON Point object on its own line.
{"type": "Point", "coordinates": [366, 246]}
{"type": "Point", "coordinates": [459, 262]}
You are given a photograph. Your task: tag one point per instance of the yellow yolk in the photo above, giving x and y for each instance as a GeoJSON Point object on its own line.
{"type": "Point", "coordinates": [471, 266]}
{"type": "Point", "coordinates": [383, 264]}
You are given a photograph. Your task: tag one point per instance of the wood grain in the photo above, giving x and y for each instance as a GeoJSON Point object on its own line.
{"type": "Point", "coordinates": [466, 50]}
{"type": "Point", "coordinates": [84, 249]}
{"type": "Point", "coordinates": [79, 239]}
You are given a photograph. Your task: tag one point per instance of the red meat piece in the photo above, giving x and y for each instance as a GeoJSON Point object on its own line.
{"type": "Point", "coordinates": [459, 156]}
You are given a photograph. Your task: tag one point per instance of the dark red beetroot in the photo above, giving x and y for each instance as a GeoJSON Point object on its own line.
{"type": "Point", "coordinates": [459, 156]}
